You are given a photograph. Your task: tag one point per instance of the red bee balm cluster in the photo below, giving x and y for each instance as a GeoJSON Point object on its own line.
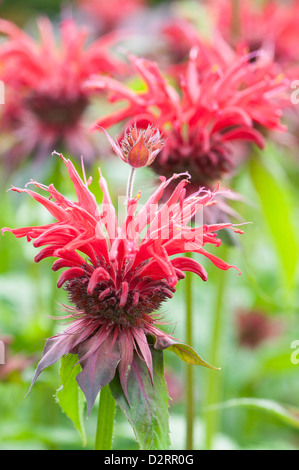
{"type": "Point", "coordinates": [117, 277]}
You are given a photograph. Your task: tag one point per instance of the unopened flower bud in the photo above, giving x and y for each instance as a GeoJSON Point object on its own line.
{"type": "Point", "coordinates": [141, 146]}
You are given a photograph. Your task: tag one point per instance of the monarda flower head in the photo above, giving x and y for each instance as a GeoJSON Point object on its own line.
{"type": "Point", "coordinates": [273, 26]}
{"type": "Point", "coordinates": [45, 101]}
{"type": "Point", "coordinates": [107, 16]}
{"type": "Point", "coordinates": [215, 108]}
{"type": "Point", "coordinates": [118, 275]}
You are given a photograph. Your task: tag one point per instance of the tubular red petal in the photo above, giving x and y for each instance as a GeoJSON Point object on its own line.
{"type": "Point", "coordinates": [45, 253]}
{"type": "Point", "coordinates": [85, 198]}
{"type": "Point", "coordinates": [99, 274]}
{"type": "Point", "coordinates": [104, 293]}
{"type": "Point", "coordinates": [165, 264]}
{"type": "Point", "coordinates": [135, 299]}
{"type": "Point", "coordinates": [217, 261]}
{"type": "Point", "coordinates": [70, 274]}
{"type": "Point", "coordinates": [62, 263]}
{"type": "Point", "coordinates": [188, 264]}
{"type": "Point", "coordinates": [124, 294]}
{"type": "Point", "coordinates": [246, 134]}
{"type": "Point", "coordinates": [108, 216]}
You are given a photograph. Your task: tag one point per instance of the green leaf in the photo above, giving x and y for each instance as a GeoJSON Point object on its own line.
{"type": "Point", "coordinates": [69, 396]}
{"type": "Point", "coordinates": [274, 194]}
{"type": "Point", "coordinates": [284, 413]}
{"type": "Point", "coordinates": [187, 354]}
{"type": "Point", "coordinates": [148, 409]}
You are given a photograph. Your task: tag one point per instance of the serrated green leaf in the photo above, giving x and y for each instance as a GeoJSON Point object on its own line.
{"type": "Point", "coordinates": [148, 409]}
{"type": "Point", "coordinates": [275, 200]}
{"type": "Point", "coordinates": [187, 354]}
{"type": "Point", "coordinates": [285, 413]}
{"type": "Point", "coordinates": [69, 396]}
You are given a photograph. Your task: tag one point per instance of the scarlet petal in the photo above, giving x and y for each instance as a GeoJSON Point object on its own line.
{"type": "Point", "coordinates": [70, 274]}
{"type": "Point", "coordinates": [124, 294]}
{"type": "Point", "coordinates": [45, 252]}
{"type": "Point", "coordinates": [164, 262]}
{"type": "Point", "coordinates": [135, 298]}
{"type": "Point", "coordinates": [188, 264]}
{"type": "Point", "coordinates": [249, 135]}
{"type": "Point", "coordinates": [61, 263]}
{"type": "Point", "coordinates": [99, 274]}
{"type": "Point", "coordinates": [85, 197]}
{"type": "Point", "coordinates": [104, 294]}
{"type": "Point", "coordinates": [217, 261]}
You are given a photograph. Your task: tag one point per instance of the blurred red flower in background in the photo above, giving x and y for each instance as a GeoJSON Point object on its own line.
{"type": "Point", "coordinates": [249, 28]}
{"type": "Point", "coordinates": [44, 98]}
{"type": "Point", "coordinates": [271, 25]}
{"type": "Point", "coordinates": [215, 107]}
{"type": "Point", "coordinates": [108, 15]}
{"type": "Point", "coordinates": [254, 327]}
{"type": "Point", "coordinates": [14, 363]}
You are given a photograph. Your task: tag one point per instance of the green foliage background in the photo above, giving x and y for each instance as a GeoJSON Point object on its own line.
{"type": "Point", "coordinates": [267, 255]}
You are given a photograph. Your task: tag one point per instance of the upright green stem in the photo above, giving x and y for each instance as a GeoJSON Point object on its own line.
{"type": "Point", "coordinates": [131, 183]}
{"type": "Point", "coordinates": [190, 369]}
{"type": "Point", "coordinates": [213, 393]}
{"type": "Point", "coordinates": [105, 423]}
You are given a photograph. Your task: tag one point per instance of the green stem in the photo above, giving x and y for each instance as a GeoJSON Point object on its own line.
{"type": "Point", "coordinates": [190, 369]}
{"type": "Point", "coordinates": [213, 384]}
{"type": "Point", "coordinates": [105, 423]}
{"type": "Point", "coordinates": [131, 183]}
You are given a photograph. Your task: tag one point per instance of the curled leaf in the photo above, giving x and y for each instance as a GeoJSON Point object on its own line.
{"type": "Point", "coordinates": [189, 355]}
{"type": "Point", "coordinates": [186, 353]}
{"type": "Point", "coordinates": [285, 413]}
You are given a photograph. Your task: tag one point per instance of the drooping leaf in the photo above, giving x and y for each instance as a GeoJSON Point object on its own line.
{"type": "Point", "coordinates": [69, 396]}
{"type": "Point", "coordinates": [285, 413]}
{"type": "Point", "coordinates": [275, 199]}
{"type": "Point", "coordinates": [148, 408]}
{"type": "Point", "coordinates": [187, 354]}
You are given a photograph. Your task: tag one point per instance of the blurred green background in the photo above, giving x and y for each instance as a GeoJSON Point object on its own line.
{"type": "Point", "coordinates": [254, 349]}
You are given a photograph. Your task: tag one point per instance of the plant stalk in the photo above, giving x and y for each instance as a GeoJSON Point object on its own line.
{"type": "Point", "coordinates": [213, 393]}
{"type": "Point", "coordinates": [105, 422]}
{"type": "Point", "coordinates": [190, 368]}
{"type": "Point", "coordinates": [131, 183]}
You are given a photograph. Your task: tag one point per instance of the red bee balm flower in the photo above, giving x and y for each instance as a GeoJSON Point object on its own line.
{"type": "Point", "coordinates": [117, 277]}
{"type": "Point", "coordinates": [272, 25]}
{"type": "Point", "coordinates": [110, 15]}
{"type": "Point", "coordinates": [216, 107]}
{"type": "Point", "coordinates": [45, 100]}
